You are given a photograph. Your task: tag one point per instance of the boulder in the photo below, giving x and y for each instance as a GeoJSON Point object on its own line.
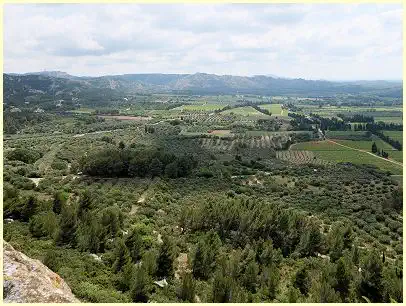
{"type": "Point", "coordinates": [27, 280]}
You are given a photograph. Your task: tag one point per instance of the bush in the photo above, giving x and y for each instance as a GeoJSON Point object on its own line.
{"type": "Point", "coordinates": [94, 293]}
{"type": "Point", "coordinates": [59, 164]}
{"type": "Point", "coordinates": [25, 155]}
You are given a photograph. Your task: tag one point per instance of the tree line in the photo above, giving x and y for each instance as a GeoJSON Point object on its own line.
{"type": "Point", "coordinates": [133, 162]}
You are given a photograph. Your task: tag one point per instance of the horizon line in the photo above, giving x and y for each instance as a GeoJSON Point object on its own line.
{"type": "Point", "coordinates": [217, 74]}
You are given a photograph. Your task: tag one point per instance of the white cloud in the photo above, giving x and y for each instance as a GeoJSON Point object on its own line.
{"type": "Point", "coordinates": [349, 41]}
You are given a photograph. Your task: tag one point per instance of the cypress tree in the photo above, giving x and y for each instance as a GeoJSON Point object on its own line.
{"type": "Point", "coordinates": [374, 148]}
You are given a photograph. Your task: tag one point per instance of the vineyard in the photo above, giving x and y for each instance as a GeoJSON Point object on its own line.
{"type": "Point", "coordinates": [207, 118]}
{"type": "Point", "coordinates": [244, 142]}
{"type": "Point", "coordinates": [300, 157]}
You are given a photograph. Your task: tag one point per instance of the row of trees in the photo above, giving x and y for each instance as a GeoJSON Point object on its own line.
{"type": "Point", "coordinates": [332, 124]}
{"type": "Point", "coordinates": [380, 126]}
{"type": "Point", "coordinates": [300, 122]}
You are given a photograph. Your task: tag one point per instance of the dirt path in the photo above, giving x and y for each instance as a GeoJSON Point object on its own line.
{"type": "Point", "coordinates": [388, 160]}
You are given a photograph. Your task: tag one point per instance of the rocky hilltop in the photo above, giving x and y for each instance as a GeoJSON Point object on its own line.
{"type": "Point", "coordinates": [26, 280]}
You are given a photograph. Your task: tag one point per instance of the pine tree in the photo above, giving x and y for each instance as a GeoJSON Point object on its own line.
{"type": "Point", "coordinates": [324, 292]}
{"type": "Point", "coordinates": [371, 278]}
{"type": "Point", "coordinates": [139, 288]}
{"type": "Point", "coordinates": [270, 280]}
{"type": "Point", "coordinates": [85, 202]}
{"type": "Point", "coordinates": [165, 259]}
{"type": "Point", "coordinates": [149, 260]}
{"type": "Point", "coordinates": [355, 255]}
{"type": "Point", "coordinates": [127, 276]}
{"type": "Point", "coordinates": [88, 234]}
{"type": "Point", "coordinates": [58, 202]}
{"type": "Point", "coordinates": [199, 268]}
{"type": "Point", "coordinates": [302, 281]}
{"type": "Point", "coordinates": [67, 226]}
{"type": "Point", "coordinates": [121, 255]}
{"type": "Point", "coordinates": [343, 279]}
{"type": "Point", "coordinates": [222, 288]}
{"type": "Point", "coordinates": [250, 276]}
{"type": "Point", "coordinates": [30, 208]}
{"type": "Point", "coordinates": [134, 244]}
{"type": "Point", "coordinates": [187, 290]}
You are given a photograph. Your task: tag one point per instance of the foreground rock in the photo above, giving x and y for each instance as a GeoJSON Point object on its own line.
{"type": "Point", "coordinates": [26, 280]}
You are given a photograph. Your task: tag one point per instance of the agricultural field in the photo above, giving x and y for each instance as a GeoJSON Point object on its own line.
{"type": "Point", "coordinates": [275, 109]}
{"type": "Point", "coordinates": [396, 135]}
{"type": "Point", "coordinates": [301, 157]}
{"type": "Point", "coordinates": [396, 155]}
{"type": "Point", "coordinates": [387, 114]}
{"type": "Point", "coordinates": [244, 111]}
{"type": "Point", "coordinates": [366, 145]}
{"type": "Point", "coordinates": [396, 120]}
{"type": "Point", "coordinates": [333, 152]}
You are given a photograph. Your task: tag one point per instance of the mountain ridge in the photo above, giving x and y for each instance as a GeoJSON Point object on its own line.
{"type": "Point", "coordinates": [19, 87]}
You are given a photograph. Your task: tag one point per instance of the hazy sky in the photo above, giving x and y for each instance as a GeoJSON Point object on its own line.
{"type": "Point", "coordinates": [322, 41]}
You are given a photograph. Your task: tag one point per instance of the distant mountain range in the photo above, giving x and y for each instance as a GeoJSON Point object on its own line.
{"type": "Point", "coordinates": [62, 84]}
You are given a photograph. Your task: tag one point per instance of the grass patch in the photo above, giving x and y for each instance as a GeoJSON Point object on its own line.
{"type": "Point", "coordinates": [275, 109]}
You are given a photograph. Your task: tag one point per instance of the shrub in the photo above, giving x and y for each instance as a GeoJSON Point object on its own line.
{"type": "Point", "coordinates": [25, 155]}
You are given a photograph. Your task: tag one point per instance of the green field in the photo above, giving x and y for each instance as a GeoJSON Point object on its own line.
{"type": "Point", "coordinates": [396, 155]}
{"type": "Point", "coordinates": [397, 120]}
{"type": "Point", "coordinates": [317, 146]}
{"type": "Point", "coordinates": [244, 111]}
{"type": "Point", "coordinates": [336, 153]}
{"type": "Point", "coordinates": [275, 109]}
{"type": "Point", "coordinates": [396, 135]}
{"type": "Point", "coordinates": [365, 144]}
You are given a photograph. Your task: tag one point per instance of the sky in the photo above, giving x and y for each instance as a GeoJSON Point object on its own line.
{"type": "Point", "coordinates": [311, 41]}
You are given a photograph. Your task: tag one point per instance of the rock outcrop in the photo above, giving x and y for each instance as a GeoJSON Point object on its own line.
{"type": "Point", "coordinates": [26, 280]}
